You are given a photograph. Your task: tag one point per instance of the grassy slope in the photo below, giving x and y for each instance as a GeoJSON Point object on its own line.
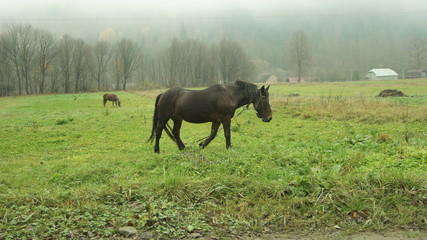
{"type": "Point", "coordinates": [334, 156]}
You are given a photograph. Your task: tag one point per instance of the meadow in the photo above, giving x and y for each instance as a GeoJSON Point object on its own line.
{"type": "Point", "coordinates": [336, 158]}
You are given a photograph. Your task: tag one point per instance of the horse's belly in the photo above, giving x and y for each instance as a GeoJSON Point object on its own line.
{"type": "Point", "coordinates": [195, 115]}
{"type": "Point", "coordinates": [196, 118]}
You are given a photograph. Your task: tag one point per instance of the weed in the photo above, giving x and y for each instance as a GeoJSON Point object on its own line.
{"type": "Point", "coordinates": [384, 137]}
{"type": "Point", "coordinates": [35, 126]}
{"type": "Point", "coordinates": [64, 121]}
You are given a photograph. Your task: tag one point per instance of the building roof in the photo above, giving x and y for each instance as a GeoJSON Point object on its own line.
{"type": "Point", "coordinates": [264, 77]}
{"type": "Point", "coordinates": [382, 72]}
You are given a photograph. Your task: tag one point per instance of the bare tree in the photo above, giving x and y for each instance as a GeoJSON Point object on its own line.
{"type": "Point", "coordinates": [45, 56]}
{"type": "Point", "coordinates": [184, 62]}
{"type": "Point", "coordinates": [192, 63]}
{"type": "Point", "coordinates": [81, 63]}
{"type": "Point", "coordinates": [300, 53]}
{"type": "Point", "coordinates": [189, 63]}
{"type": "Point", "coordinates": [18, 44]}
{"type": "Point", "coordinates": [212, 65]}
{"type": "Point", "coordinates": [118, 70]}
{"type": "Point", "coordinates": [65, 60]}
{"type": "Point", "coordinates": [154, 73]}
{"type": "Point", "coordinates": [170, 63]}
{"type": "Point", "coordinates": [102, 56]}
{"type": "Point", "coordinates": [418, 53]}
{"type": "Point", "coordinates": [199, 61]}
{"type": "Point", "coordinates": [55, 76]}
{"type": "Point", "coordinates": [27, 53]}
{"type": "Point", "coordinates": [87, 83]}
{"type": "Point", "coordinates": [225, 60]}
{"type": "Point", "coordinates": [6, 70]}
{"type": "Point", "coordinates": [234, 64]}
{"type": "Point", "coordinates": [129, 57]}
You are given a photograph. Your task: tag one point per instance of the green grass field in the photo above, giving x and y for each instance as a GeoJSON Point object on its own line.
{"type": "Point", "coordinates": [335, 156]}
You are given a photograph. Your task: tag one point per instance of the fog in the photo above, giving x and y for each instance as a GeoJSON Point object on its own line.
{"type": "Point", "coordinates": [84, 18]}
{"type": "Point", "coordinates": [49, 9]}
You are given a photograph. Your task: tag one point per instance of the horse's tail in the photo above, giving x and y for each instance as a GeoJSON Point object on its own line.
{"type": "Point", "coordinates": [155, 120]}
{"type": "Point", "coordinates": [156, 123]}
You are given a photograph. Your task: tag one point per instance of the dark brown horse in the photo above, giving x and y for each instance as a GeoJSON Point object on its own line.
{"type": "Point", "coordinates": [215, 104]}
{"type": "Point", "coordinates": [113, 98]}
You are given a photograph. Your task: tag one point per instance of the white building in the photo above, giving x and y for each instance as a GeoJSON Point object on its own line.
{"type": "Point", "coordinates": [381, 74]}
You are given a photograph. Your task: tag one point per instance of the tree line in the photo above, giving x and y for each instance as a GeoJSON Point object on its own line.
{"type": "Point", "coordinates": [34, 61]}
{"type": "Point", "coordinates": [37, 61]}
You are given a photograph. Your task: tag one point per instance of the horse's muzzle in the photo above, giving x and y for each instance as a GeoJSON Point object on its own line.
{"type": "Point", "coordinates": [266, 118]}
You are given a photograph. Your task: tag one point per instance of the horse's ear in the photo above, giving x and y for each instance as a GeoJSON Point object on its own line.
{"type": "Point", "coordinates": [267, 88]}
{"type": "Point", "coordinates": [262, 90]}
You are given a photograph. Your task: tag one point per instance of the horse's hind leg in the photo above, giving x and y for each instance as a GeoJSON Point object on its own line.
{"type": "Point", "coordinates": [214, 130]}
{"type": "Point", "coordinates": [177, 123]}
{"type": "Point", "coordinates": [159, 130]}
{"type": "Point", "coordinates": [162, 120]}
{"type": "Point", "coordinates": [227, 133]}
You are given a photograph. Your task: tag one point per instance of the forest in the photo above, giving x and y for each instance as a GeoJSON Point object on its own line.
{"type": "Point", "coordinates": [103, 54]}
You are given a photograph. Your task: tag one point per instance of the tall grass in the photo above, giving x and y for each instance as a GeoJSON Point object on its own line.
{"type": "Point", "coordinates": [358, 109]}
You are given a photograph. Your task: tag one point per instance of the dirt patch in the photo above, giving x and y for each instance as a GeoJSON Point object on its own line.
{"type": "Point", "coordinates": [391, 93]}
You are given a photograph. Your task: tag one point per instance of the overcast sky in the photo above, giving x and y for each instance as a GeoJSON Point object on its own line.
{"type": "Point", "coordinates": [16, 9]}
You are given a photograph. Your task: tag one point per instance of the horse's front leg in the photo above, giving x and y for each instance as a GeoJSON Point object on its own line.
{"type": "Point", "coordinates": [214, 130]}
{"type": "Point", "coordinates": [227, 133]}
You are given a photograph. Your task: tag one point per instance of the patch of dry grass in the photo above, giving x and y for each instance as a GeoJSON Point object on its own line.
{"type": "Point", "coordinates": [358, 109]}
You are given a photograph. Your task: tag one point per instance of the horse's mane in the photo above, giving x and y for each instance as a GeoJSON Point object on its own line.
{"type": "Point", "coordinates": [250, 90]}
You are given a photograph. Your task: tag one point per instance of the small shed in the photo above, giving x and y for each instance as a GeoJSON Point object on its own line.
{"type": "Point", "coordinates": [381, 74]}
{"type": "Point", "coordinates": [415, 73]}
{"type": "Point", "coordinates": [269, 78]}
{"type": "Point", "coordinates": [272, 79]}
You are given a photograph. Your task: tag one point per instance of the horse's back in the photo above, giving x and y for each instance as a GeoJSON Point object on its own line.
{"type": "Point", "coordinates": [110, 96]}
{"type": "Point", "coordinates": [178, 95]}
{"type": "Point", "coordinates": [195, 106]}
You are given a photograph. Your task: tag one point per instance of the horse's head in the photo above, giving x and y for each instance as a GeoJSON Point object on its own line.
{"type": "Point", "coordinates": [262, 104]}
{"type": "Point", "coordinates": [119, 103]}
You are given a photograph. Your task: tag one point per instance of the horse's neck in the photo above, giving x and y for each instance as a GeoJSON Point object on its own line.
{"type": "Point", "coordinates": [240, 98]}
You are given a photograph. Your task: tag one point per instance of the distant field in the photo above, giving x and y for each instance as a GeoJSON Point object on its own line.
{"type": "Point", "coordinates": [336, 156]}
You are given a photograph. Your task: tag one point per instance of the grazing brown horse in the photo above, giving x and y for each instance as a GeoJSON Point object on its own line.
{"type": "Point", "coordinates": [215, 104]}
{"type": "Point", "coordinates": [113, 98]}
